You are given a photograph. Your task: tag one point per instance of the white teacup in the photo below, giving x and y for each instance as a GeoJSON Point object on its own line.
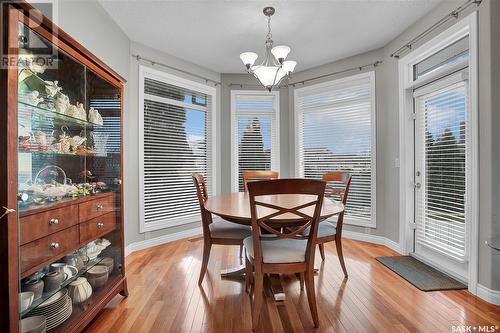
{"type": "Point", "coordinates": [69, 270]}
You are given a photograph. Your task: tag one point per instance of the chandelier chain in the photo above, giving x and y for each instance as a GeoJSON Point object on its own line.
{"type": "Point", "coordinates": [269, 34]}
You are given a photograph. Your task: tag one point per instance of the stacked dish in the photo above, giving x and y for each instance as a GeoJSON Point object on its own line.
{"type": "Point", "coordinates": [56, 309]}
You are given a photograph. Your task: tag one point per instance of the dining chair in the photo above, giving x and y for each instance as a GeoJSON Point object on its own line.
{"type": "Point", "coordinates": [216, 231]}
{"type": "Point", "coordinates": [281, 250]}
{"type": "Point", "coordinates": [253, 175]}
{"type": "Point", "coordinates": [337, 187]}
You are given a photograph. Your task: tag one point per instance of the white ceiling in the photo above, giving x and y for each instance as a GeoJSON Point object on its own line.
{"type": "Point", "coordinates": [212, 33]}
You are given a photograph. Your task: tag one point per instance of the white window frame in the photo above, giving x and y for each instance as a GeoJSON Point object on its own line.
{"type": "Point", "coordinates": [298, 139]}
{"type": "Point", "coordinates": [407, 83]}
{"type": "Point", "coordinates": [147, 72]}
{"type": "Point", "coordinates": [275, 127]}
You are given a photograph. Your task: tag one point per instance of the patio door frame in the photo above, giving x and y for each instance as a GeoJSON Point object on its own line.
{"type": "Point", "coordinates": [407, 83]}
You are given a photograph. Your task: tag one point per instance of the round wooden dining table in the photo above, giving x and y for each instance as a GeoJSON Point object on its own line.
{"type": "Point", "coordinates": [235, 207]}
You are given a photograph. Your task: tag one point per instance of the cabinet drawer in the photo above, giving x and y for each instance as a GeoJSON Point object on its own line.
{"type": "Point", "coordinates": [97, 207]}
{"type": "Point", "coordinates": [97, 227]}
{"type": "Point", "coordinates": [45, 223]}
{"type": "Point", "coordinates": [43, 249]}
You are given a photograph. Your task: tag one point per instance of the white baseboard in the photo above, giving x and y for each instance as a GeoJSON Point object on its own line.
{"type": "Point", "coordinates": [372, 239]}
{"type": "Point", "coordinates": [489, 295]}
{"type": "Point", "coordinates": [147, 243]}
{"type": "Point", "coordinates": [136, 246]}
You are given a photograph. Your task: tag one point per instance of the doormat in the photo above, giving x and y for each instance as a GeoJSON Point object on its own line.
{"type": "Point", "coordinates": [422, 276]}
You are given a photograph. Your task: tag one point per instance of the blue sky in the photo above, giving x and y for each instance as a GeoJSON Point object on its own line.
{"type": "Point", "coordinates": [195, 120]}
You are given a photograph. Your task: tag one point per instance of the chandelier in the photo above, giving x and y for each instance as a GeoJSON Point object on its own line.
{"type": "Point", "coordinates": [274, 68]}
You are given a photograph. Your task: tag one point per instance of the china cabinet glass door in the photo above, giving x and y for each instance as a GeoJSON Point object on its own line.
{"type": "Point", "coordinates": [69, 183]}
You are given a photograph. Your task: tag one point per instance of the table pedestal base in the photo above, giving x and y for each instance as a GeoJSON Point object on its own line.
{"type": "Point", "coordinates": [234, 272]}
{"type": "Point", "coordinates": [275, 287]}
{"type": "Point", "coordinates": [271, 280]}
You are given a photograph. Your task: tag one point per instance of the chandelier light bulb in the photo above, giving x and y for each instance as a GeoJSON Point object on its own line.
{"type": "Point", "coordinates": [289, 66]}
{"type": "Point", "coordinates": [280, 52]}
{"type": "Point", "coordinates": [248, 58]}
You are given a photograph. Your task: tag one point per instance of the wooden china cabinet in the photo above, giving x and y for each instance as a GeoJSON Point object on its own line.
{"type": "Point", "coordinates": [61, 191]}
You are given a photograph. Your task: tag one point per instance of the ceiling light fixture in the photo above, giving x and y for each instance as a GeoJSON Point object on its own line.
{"type": "Point", "coordinates": [274, 68]}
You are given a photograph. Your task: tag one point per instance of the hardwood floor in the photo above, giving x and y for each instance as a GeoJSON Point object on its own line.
{"type": "Point", "coordinates": [164, 297]}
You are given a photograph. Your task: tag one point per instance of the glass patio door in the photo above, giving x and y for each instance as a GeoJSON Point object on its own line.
{"type": "Point", "coordinates": [441, 173]}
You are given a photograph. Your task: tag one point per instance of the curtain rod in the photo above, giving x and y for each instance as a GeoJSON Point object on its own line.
{"type": "Point", "coordinates": [152, 62]}
{"type": "Point", "coordinates": [357, 68]}
{"type": "Point", "coordinates": [452, 15]}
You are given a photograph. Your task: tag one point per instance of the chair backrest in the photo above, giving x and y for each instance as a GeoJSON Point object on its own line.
{"type": "Point", "coordinates": [336, 190]}
{"type": "Point", "coordinates": [258, 175]}
{"type": "Point", "coordinates": [202, 194]}
{"type": "Point", "coordinates": [315, 189]}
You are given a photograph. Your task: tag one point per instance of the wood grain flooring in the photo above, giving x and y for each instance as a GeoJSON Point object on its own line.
{"type": "Point", "coordinates": [164, 297]}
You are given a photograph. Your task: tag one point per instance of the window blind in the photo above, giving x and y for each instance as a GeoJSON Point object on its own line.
{"type": "Point", "coordinates": [335, 132]}
{"type": "Point", "coordinates": [255, 133]}
{"type": "Point", "coordinates": [176, 142]}
{"type": "Point", "coordinates": [441, 161]}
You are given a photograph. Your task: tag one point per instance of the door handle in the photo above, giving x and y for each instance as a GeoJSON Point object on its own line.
{"type": "Point", "coordinates": [7, 211]}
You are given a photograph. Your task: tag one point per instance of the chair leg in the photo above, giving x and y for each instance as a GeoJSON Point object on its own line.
{"type": "Point", "coordinates": [301, 278]}
{"type": "Point", "coordinates": [322, 250]}
{"type": "Point", "coordinates": [311, 296]}
{"type": "Point", "coordinates": [248, 273]}
{"type": "Point", "coordinates": [338, 244]}
{"type": "Point", "coordinates": [241, 250]}
{"type": "Point", "coordinates": [207, 246]}
{"type": "Point", "coordinates": [257, 299]}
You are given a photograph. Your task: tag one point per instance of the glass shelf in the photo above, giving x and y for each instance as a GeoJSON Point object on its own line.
{"type": "Point", "coordinates": [45, 115]}
{"type": "Point", "coordinates": [58, 153]}
{"type": "Point", "coordinates": [46, 296]}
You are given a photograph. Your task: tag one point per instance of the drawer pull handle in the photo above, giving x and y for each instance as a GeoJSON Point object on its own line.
{"type": "Point", "coordinates": [54, 221]}
{"type": "Point", "coordinates": [99, 207]}
{"type": "Point", "coordinates": [100, 225]}
{"type": "Point", "coordinates": [54, 246]}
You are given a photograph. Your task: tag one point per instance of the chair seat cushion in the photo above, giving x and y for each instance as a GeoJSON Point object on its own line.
{"type": "Point", "coordinates": [326, 229]}
{"type": "Point", "coordinates": [279, 251]}
{"type": "Point", "coordinates": [220, 228]}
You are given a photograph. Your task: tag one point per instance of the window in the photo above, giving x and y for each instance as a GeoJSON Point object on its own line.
{"type": "Point", "coordinates": [453, 54]}
{"type": "Point", "coordinates": [176, 139]}
{"type": "Point", "coordinates": [336, 131]}
{"type": "Point", "coordinates": [255, 133]}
